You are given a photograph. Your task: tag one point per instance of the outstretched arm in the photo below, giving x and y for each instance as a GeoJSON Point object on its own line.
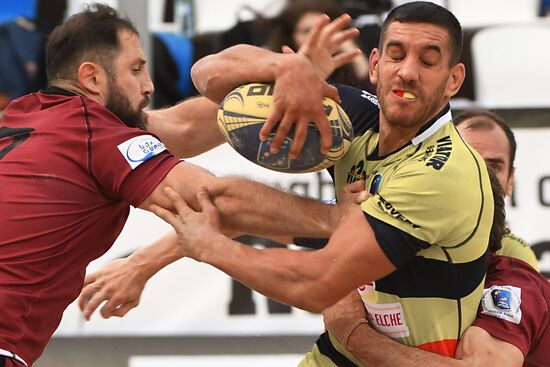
{"type": "Point", "coordinates": [188, 128]}
{"type": "Point", "coordinates": [477, 348]}
{"type": "Point", "coordinates": [309, 280]}
{"type": "Point", "coordinates": [299, 80]}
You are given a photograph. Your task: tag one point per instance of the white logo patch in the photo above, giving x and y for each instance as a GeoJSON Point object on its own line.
{"type": "Point", "coordinates": [370, 97]}
{"type": "Point", "coordinates": [503, 302]}
{"type": "Point", "coordinates": [140, 148]}
{"type": "Point", "coordinates": [388, 319]}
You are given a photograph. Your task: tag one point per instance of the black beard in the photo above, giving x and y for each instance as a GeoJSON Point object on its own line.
{"type": "Point", "coordinates": [120, 105]}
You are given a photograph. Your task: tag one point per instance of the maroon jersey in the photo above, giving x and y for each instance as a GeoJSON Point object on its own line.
{"type": "Point", "coordinates": [516, 308]}
{"type": "Point", "coordinates": [69, 171]}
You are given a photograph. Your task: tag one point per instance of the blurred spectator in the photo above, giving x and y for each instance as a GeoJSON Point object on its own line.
{"type": "Point", "coordinates": [292, 26]}
{"type": "Point", "coordinates": [22, 41]}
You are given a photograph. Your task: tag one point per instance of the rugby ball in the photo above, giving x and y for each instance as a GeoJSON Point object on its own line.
{"type": "Point", "coordinates": [242, 114]}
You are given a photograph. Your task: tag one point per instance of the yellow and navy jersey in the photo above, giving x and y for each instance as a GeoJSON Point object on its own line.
{"type": "Point", "coordinates": [517, 248]}
{"type": "Point", "coordinates": [431, 211]}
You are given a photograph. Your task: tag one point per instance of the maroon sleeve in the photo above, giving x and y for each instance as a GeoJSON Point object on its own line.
{"type": "Point", "coordinates": [126, 163]}
{"type": "Point", "coordinates": [524, 330]}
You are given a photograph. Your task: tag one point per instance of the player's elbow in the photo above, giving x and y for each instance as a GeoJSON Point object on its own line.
{"type": "Point", "coordinates": [205, 76]}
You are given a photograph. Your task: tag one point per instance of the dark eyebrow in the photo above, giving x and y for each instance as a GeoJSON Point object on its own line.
{"type": "Point", "coordinates": [494, 160]}
{"type": "Point", "coordinates": [394, 43]}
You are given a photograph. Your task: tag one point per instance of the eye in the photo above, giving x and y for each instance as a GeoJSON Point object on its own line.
{"type": "Point", "coordinates": [427, 63]}
{"type": "Point", "coordinates": [395, 53]}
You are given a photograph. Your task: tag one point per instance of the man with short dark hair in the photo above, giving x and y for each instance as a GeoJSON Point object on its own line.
{"type": "Point", "coordinates": [508, 333]}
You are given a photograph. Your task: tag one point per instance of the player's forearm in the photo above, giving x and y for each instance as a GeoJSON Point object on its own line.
{"type": "Point", "coordinates": [151, 259]}
{"type": "Point", "coordinates": [251, 207]}
{"type": "Point", "coordinates": [291, 277]}
{"type": "Point", "coordinates": [374, 349]}
{"type": "Point", "coordinates": [216, 75]}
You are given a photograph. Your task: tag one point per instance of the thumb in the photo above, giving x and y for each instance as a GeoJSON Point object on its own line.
{"type": "Point", "coordinates": [331, 92]}
{"type": "Point", "coordinates": [355, 186]}
{"type": "Point", "coordinates": [203, 198]}
{"type": "Point", "coordinates": [287, 50]}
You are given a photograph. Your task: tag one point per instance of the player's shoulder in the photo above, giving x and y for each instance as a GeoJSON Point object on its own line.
{"type": "Point", "coordinates": [361, 107]}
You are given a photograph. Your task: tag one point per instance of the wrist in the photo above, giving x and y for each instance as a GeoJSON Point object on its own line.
{"type": "Point", "coordinates": [351, 330]}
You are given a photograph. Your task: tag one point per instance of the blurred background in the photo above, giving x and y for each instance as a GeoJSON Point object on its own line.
{"type": "Point", "coordinates": [193, 315]}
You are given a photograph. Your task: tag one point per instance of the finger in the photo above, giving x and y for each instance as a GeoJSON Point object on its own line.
{"type": "Point", "coordinates": [166, 216]}
{"type": "Point", "coordinates": [108, 308]}
{"type": "Point", "coordinates": [316, 30]}
{"type": "Point", "coordinates": [287, 50]}
{"type": "Point", "coordinates": [85, 296]}
{"type": "Point", "coordinates": [331, 92]}
{"type": "Point", "coordinates": [300, 136]}
{"type": "Point", "coordinates": [326, 132]}
{"type": "Point", "coordinates": [123, 310]}
{"type": "Point", "coordinates": [345, 57]}
{"type": "Point", "coordinates": [90, 278]}
{"type": "Point", "coordinates": [345, 35]}
{"type": "Point", "coordinates": [335, 26]}
{"type": "Point", "coordinates": [270, 123]}
{"type": "Point", "coordinates": [355, 187]}
{"type": "Point", "coordinates": [203, 197]}
{"type": "Point", "coordinates": [360, 197]}
{"type": "Point", "coordinates": [181, 205]}
{"type": "Point", "coordinates": [282, 132]}
{"type": "Point", "coordinates": [93, 303]}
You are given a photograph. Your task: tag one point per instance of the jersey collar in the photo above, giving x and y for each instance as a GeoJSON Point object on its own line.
{"type": "Point", "coordinates": [56, 90]}
{"type": "Point", "coordinates": [432, 126]}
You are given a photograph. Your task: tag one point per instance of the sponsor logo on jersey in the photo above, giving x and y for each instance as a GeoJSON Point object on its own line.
{"type": "Point", "coordinates": [387, 207]}
{"type": "Point", "coordinates": [501, 298]}
{"type": "Point", "coordinates": [387, 318]}
{"type": "Point", "coordinates": [371, 97]}
{"type": "Point", "coordinates": [502, 302]}
{"type": "Point", "coordinates": [442, 153]}
{"type": "Point", "coordinates": [357, 172]}
{"type": "Point", "coordinates": [375, 183]}
{"type": "Point", "coordinates": [140, 149]}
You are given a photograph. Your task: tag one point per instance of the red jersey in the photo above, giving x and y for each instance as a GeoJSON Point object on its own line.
{"type": "Point", "coordinates": [516, 308]}
{"type": "Point", "coordinates": [69, 171]}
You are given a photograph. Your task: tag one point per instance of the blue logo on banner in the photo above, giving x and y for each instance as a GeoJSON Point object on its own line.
{"type": "Point", "coordinates": [501, 298]}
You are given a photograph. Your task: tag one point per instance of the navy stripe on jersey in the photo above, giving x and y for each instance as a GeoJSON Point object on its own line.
{"type": "Point", "coordinates": [326, 348]}
{"type": "Point", "coordinates": [452, 281]}
{"type": "Point", "coordinates": [398, 246]}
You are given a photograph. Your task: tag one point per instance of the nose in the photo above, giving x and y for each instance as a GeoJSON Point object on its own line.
{"type": "Point", "coordinates": [147, 87]}
{"type": "Point", "coordinates": [408, 70]}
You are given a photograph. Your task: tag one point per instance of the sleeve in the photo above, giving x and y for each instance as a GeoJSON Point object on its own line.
{"type": "Point", "coordinates": [514, 247]}
{"type": "Point", "coordinates": [398, 246]}
{"type": "Point", "coordinates": [126, 163]}
{"type": "Point", "coordinates": [498, 313]}
{"type": "Point", "coordinates": [361, 107]}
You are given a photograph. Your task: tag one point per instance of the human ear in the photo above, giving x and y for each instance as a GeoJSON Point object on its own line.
{"type": "Point", "coordinates": [373, 65]}
{"type": "Point", "coordinates": [456, 78]}
{"type": "Point", "coordinates": [91, 77]}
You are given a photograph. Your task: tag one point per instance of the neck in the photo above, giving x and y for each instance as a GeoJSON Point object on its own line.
{"type": "Point", "coordinates": [392, 138]}
{"type": "Point", "coordinates": [76, 88]}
